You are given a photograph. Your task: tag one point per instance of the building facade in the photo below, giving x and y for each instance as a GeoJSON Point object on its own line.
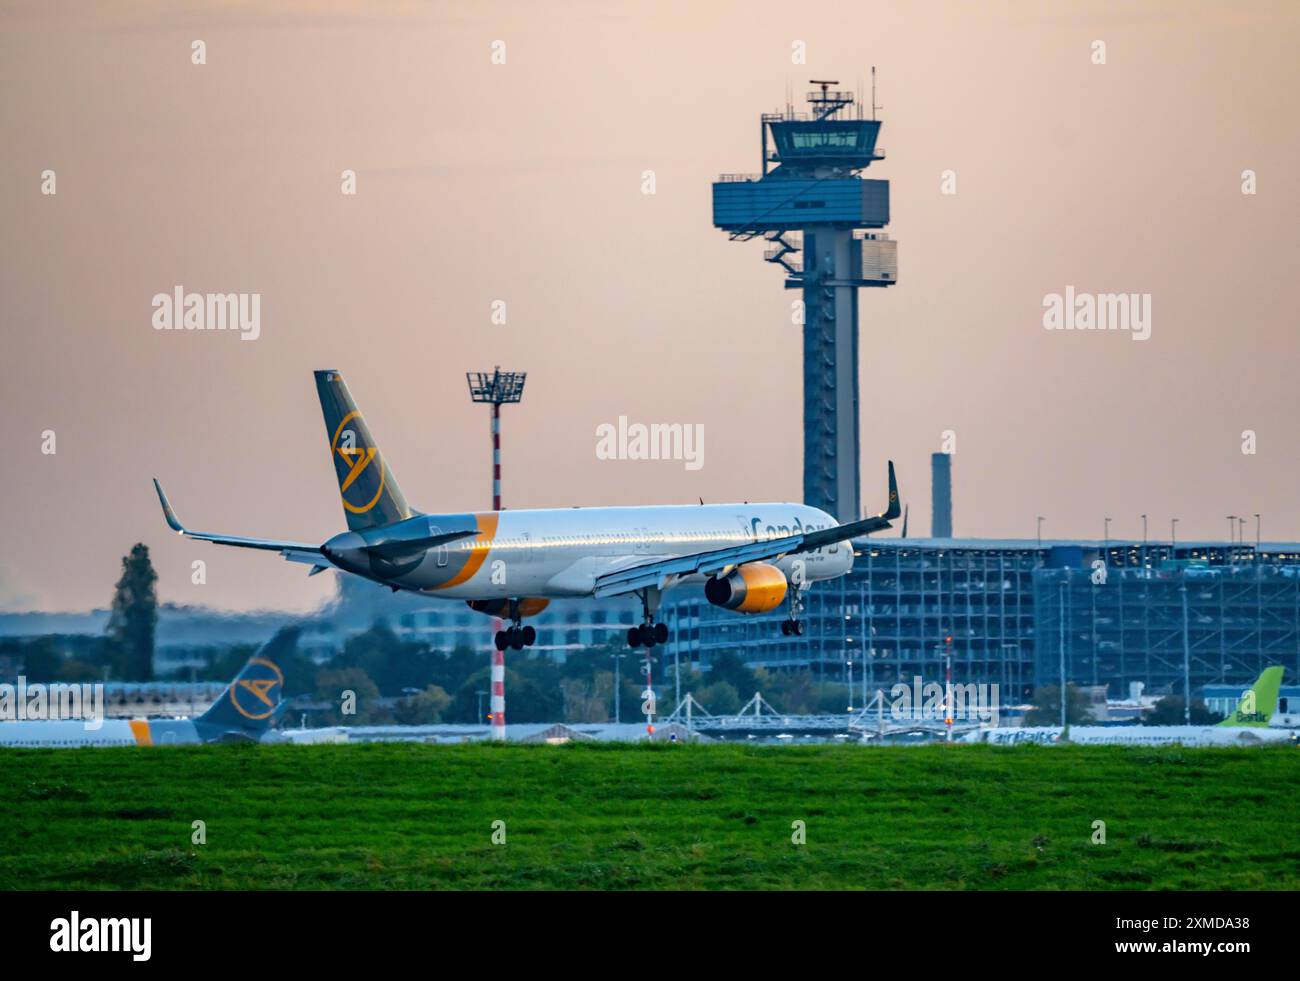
{"type": "Point", "coordinates": [1113, 612]}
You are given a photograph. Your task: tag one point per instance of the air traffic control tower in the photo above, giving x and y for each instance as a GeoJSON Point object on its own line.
{"type": "Point", "coordinates": [818, 214]}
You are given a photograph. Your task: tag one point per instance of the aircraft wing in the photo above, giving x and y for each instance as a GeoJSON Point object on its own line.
{"type": "Point", "coordinates": [293, 551]}
{"type": "Point", "coordinates": [658, 574]}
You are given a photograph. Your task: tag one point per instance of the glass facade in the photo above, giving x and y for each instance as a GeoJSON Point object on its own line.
{"type": "Point", "coordinates": [1002, 602]}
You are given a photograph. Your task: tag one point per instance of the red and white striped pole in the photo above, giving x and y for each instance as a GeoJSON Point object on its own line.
{"type": "Point", "coordinates": [498, 657]}
{"type": "Point", "coordinates": [498, 694]}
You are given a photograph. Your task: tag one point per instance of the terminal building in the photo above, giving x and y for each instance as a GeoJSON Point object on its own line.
{"type": "Point", "coordinates": [1017, 609]}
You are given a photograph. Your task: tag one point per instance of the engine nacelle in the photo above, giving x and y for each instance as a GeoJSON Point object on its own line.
{"type": "Point", "coordinates": [755, 587]}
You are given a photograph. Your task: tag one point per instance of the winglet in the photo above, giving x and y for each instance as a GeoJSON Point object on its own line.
{"type": "Point", "coordinates": [172, 521]}
{"type": "Point", "coordinates": [893, 510]}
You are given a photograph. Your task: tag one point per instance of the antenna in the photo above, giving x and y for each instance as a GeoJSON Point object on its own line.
{"type": "Point", "coordinates": [874, 107]}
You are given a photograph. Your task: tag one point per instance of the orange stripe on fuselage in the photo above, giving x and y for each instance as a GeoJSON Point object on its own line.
{"type": "Point", "coordinates": [140, 729]}
{"type": "Point", "coordinates": [479, 549]}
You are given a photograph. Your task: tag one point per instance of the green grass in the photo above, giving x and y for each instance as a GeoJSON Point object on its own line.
{"type": "Point", "coordinates": [402, 816]}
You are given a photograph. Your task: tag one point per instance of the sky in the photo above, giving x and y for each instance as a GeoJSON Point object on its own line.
{"type": "Point", "coordinates": [483, 180]}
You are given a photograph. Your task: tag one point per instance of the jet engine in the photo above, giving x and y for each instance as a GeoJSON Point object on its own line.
{"type": "Point", "coordinates": [755, 587]}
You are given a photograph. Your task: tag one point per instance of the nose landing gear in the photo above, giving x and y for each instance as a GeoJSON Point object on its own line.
{"type": "Point", "coordinates": [794, 627]}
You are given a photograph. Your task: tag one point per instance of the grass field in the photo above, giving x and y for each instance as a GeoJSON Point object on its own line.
{"type": "Point", "coordinates": [648, 817]}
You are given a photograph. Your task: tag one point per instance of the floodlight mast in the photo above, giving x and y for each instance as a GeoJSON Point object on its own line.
{"type": "Point", "coordinates": [497, 389]}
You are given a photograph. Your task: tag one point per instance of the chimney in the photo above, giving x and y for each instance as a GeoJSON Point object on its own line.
{"type": "Point", "coordinates": [940, 495]}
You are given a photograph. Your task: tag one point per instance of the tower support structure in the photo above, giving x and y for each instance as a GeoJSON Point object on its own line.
{"type": "Point", "coordinates": [820, 218]}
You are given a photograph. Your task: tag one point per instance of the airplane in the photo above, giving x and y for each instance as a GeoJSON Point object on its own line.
{"type": "Point", "coordinates": [510, 564]}
{"type": "Point", "coordinates": [1247, 725]}
{"type": "Point", "coordinates": [244, 713]}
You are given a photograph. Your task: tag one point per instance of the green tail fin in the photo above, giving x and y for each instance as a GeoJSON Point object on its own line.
{"type": "Point", "coordinates": [1258, 702]}
{"type": "Point", "coordinates": [368, 488]}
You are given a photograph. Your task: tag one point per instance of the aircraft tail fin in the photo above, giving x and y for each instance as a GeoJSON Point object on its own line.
{"type": "Point", "coordinates": [254, 699]}
{"type": "Point", "coordinates": [369, 490]}
{"type": "Point", "coordinates": [1258, 702]}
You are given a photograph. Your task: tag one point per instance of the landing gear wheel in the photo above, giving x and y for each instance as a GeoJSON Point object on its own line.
{"type": "Point", "coordinates": [502, 640]}
{"type": "Point", "coordinates": [797, 627]}
{"type": "Point", "coordinates": [530, 636]}
{"type": "Point", "coordinates": [661, 633]}
{"type": "Point", "coordinates": [634, 637]}
{"type": "Point", "coordinates": [516, 638]}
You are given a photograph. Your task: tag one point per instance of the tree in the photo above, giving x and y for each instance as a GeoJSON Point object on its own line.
{"type": "Point", "coordinates": [729, 668]}
{"type": "Point", "coordinates": [1169, 712]}
{"type": "Point", "coordinates": [333, 686]}
{"type": "Point", "coordinates": [134, 618]}
{"type": "Point", "coordinates": [423, 708]}
{"type": "Point", "coordinates": [719, 698]}
{"type": "Point", "coordinates": [1046, 709]}
{"type": "Point", "coordinates": [40, 657]}
{"type": "Point", "coordinates": [588, 701]}
{"type": "Point", "coordinates": [792, 692]}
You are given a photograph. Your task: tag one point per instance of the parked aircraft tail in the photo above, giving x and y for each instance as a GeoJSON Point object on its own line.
{"type": "Point", "coordinates": [1258, 702]}
{"type": "Point", "coordinates": [254, 699]}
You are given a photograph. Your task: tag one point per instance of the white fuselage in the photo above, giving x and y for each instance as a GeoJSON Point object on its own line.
{"type": "Point", "coordinates": [1139, 735]}
{"type": "Point", "coordinates": [64, 733]}
{"type": "Point", "coordinates": [561, 552]}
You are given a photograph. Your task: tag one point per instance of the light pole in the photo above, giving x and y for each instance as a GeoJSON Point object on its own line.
{"type": "Point", "coordinates": [1257, 537]}
{"type": "Point", "coordinates": [1040, 531]}
{"type": "Point", "coordinates": [1232, 551]}
{"type": "Point", "coordinates": [617, 692]}
{"type": "Point", "coordinates": [1187, 659]}
{"type": "Point", "coordinates": [1061, 615]}
{"type": "Point", "coordinates": [1173, 538]}
{"type": "Point", "coordinates": [1144, 541]}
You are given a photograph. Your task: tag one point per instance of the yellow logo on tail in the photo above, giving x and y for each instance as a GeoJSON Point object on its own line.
{"type": "Point", "coordinates": [358, 459]}
{"type": "Point", "coordinates": [258, 703]}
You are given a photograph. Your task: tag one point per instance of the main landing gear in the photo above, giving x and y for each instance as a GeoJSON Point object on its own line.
{"type": "Point", "coordinates": [649, 633]}
{"type": "Point", "coordinates": [793, 627]}
{"type": "Point", "coordinates": [515, 637]}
